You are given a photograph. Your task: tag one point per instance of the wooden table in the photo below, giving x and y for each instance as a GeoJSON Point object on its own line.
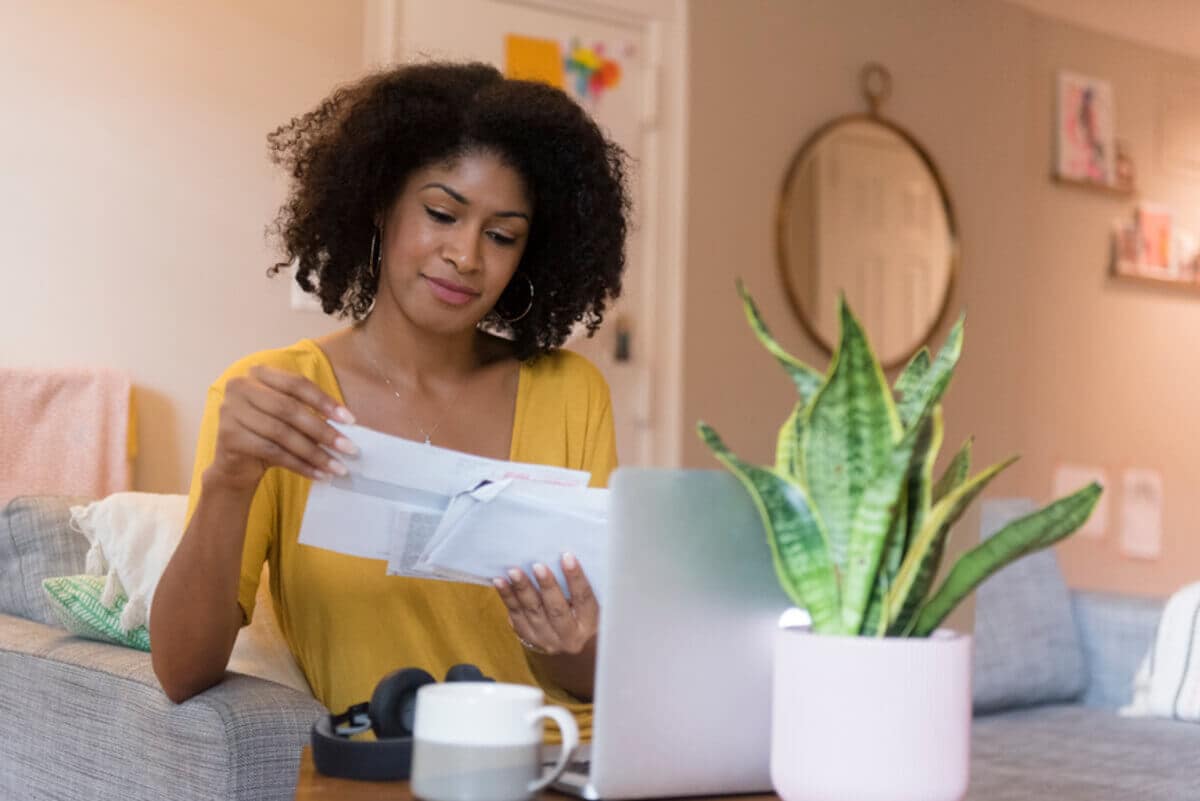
{"type": "Point", "coordinates": [312, 786]}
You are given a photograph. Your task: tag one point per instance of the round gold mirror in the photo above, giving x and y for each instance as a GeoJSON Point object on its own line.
{"type": "Point", "coordinates": [864, 212]}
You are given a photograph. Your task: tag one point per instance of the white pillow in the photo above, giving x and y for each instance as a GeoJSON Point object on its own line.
{"type": "Point", "coordinates": [1167, 684]}
{"type": "Point", "coordinates": [133, 535]}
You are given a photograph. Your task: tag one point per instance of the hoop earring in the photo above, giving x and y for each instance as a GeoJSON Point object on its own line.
{"type": "Point", "coordinates": [375, 258]}
{"type": "Point", "coordinates": [528, 307]}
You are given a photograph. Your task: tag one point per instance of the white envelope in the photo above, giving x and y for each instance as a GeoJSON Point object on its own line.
{"type": "Point", "coordinates": [516, 523]}
{"type": "Point", "coordinates": [392, 504]}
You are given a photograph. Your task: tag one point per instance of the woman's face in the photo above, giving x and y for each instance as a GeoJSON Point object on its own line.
{"type": "Point", "coordinates": [452, 241]}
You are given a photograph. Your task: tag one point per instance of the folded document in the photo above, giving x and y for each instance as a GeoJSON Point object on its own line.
{"type": "Point", "coordinates": [515, 523]}
{"type": "Point", "coordinates": [431, 512]}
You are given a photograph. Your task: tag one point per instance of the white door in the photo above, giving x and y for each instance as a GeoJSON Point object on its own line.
{"type": "Point", "coordinates": [882, 238]}
{"type": "Point", "coordinates": [624, 108]}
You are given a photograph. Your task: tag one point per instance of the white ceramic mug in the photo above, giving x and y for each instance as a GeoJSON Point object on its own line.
{"type": "Point", "coordinates": [482, 741]}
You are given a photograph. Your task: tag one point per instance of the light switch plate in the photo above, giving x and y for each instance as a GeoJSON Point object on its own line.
{"type": "Point", "coordinates": [298, 298]}
{"type": "Point", "coordinates": [1141, 513]}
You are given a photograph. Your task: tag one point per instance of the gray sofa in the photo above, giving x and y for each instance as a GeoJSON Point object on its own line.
{"type": "Point", "coordinates": [81, 719]}
{"type": "Point", "coordinates": [1051, 669]}
{"type": "Point", "coordinates": [88, 720]}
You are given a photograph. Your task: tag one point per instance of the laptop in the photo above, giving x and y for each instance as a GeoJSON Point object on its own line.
{"type": "Point", "coordinates": [682, 702]}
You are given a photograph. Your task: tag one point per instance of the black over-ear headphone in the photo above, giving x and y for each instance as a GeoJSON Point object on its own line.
{"type": "Point", "coordinates": [389, 714]}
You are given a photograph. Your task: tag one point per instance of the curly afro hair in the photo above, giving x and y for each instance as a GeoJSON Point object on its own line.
{"type": "Point", "coordinates": [350, 156]}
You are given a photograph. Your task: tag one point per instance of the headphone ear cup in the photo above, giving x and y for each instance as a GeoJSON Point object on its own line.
{"type": "Point", "coordinates": [466, 672]}
{"type": "Point", "coordinates": [394, 702]}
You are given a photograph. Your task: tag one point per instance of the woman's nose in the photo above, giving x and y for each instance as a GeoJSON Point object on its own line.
{"type": "Point", "coordinates": [462, 250]}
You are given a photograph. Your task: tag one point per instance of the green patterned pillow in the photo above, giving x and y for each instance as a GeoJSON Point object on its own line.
{"type": "Point", "coordinates": [76, 601]}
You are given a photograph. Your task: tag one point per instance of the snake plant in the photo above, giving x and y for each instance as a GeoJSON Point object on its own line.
{"type": "Point", "coordinates": [856, 522]}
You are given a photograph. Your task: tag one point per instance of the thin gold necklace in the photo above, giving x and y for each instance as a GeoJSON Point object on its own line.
{"type": "Point", "coordinates": [428, 435]}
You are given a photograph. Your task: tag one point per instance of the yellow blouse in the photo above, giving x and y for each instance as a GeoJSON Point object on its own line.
{"type": "Point", "coordinates": [346, 622]}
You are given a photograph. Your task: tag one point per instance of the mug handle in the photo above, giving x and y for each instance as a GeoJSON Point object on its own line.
{"type": "Point", "coordinates": [570, 737]}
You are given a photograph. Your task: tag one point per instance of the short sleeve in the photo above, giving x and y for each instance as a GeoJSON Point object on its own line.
{"type": "Point", "coordinates": [600, 445]}
{"type": "Point", "coordinates": [262, 521]}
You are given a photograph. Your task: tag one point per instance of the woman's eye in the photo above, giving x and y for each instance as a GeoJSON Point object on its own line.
{"type": "Point", "coordinates": [439, 216]}
{"type": "Point", "coordinates": [501, 239]}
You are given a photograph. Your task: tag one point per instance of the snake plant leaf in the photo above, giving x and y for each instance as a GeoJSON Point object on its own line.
{"type": "Point", "coordinates": [916, 504]}
{"type": "Point", "coordinates": [956, 472]}
{"type": "Point", "coordinates": [875, 620]}
{"type": "Point", "coordinates": [850, 428]}
{"type": "Point", "coordinates": [874, 520]}
{"type": "Point", "coordinates": [787, 444]}
{"type": "Point", "coordinates": [924, 557]}
{"type": "Point", "coordinates": [913, 372]}
{"type": "Point", "coordinates": [932, 384]}
{"type": "Point", "coordinates": [794, 532]}
{"type": "Point", "coordinates": [920, 486]}
{"type": "Point", "coordinates": [806, 379]}
{"type": "Point", "coordinates": [914, 507]}
{"type": "Point", "coordinates": [1033, 532]}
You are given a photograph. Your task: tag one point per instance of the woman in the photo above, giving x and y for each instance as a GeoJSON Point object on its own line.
{"type": "Point", "coordinates": [431, 204]}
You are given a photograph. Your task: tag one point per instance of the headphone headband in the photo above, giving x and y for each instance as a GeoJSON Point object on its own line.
{"type": "Point", "coordinates": [390, 715]}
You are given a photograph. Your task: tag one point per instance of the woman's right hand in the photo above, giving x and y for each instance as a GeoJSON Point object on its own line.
{"type": "Point", "coordinates": [273, 418]}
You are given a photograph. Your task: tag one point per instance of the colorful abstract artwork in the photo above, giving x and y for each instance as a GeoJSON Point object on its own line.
{"type": "Point", "coordinates": [592, 71]}
{"type": "Point", "coordinates": [1085, 148]}
{"type": "Point", "coordinates": [587, 72]}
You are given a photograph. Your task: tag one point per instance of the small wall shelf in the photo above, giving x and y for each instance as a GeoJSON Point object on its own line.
{"type": "Point", "coordinates": [1105, 189]}
{"type": "Point", "coordinates": [1168, 284]}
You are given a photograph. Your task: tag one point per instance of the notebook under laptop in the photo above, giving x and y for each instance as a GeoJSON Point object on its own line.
{"type": "Point", "coordinates": [683, 673]}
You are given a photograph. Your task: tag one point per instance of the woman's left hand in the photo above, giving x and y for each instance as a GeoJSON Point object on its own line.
{"type": "Point", "coordinates": [541, 615]}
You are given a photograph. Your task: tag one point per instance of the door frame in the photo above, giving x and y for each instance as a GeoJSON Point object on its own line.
{"type": "Point", "coordinates": [664, 180]}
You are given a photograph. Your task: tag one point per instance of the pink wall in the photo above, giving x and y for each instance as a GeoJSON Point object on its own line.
{"type": "Point", "coordinates": [1060, 362]}
{"type": "Point", "coordinates": [137, 190]}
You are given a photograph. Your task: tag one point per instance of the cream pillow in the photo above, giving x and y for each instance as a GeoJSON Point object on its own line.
{"type": "Point", "coordinates": [1167, 684]}
{"type": "Point", "coordinates": [133, 535]}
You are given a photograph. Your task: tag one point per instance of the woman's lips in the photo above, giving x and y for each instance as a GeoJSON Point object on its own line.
{"type": "Point", "coordinates": [447, 292]}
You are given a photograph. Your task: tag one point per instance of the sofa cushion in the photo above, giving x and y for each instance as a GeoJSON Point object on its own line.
{"type": "Point", "coordinates": [36, 542]}
{"type": "Point", "coordinates": [78, 603]}
{"type": "Point", "coordinates": [1078, 753]}
{"type": "Point", "coordinates": [1027, 648]}
{"type": "Point", "coordinates": [1116, 632]}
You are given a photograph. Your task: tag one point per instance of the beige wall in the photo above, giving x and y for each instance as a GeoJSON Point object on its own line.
{"type": "Point", "coordinates": [136, 190]}
{"type": "Point", "coordinates": [1112, 382]}
{"type": "Point", "coordinates": [1061, 364]}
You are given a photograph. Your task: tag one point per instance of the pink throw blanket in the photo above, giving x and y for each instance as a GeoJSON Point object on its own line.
{"type": "Point", "coordinates": [65, 432]}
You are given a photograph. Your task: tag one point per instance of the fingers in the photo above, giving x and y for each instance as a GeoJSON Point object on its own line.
{"type": "Point", "coordinates": [540, 612]}
{"type": "Point", "coordinates": [275, 442]}
{"type": "Point", "coordinates": [271, 417]}
{"type": "Point", "coordinates": [583, 599]}
{"type": "Point", "coordinates": [555, 606]}
{"type": "Point", "coordinates": [521, 624]}
{"type": "Point", "coordinates": [302, 390]}
{"type": "Point", "coordinates": [293, 425]}
{"type": "Point", "coordinates": [272, 453]}
{"type": "Point", "coordinates": [530, 601]}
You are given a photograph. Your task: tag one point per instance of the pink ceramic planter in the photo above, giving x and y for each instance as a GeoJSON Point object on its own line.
{"type": "Point", "coordinates": [871, 719]}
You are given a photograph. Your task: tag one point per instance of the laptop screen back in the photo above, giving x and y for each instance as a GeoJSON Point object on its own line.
{"type": "Point", "coordinates": [683, 679]}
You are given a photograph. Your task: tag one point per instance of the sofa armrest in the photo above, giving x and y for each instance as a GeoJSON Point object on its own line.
{"type": "Point", "coordinates": [1116, 632]}
{"type": "Point", "coordinates": [83, 719]}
